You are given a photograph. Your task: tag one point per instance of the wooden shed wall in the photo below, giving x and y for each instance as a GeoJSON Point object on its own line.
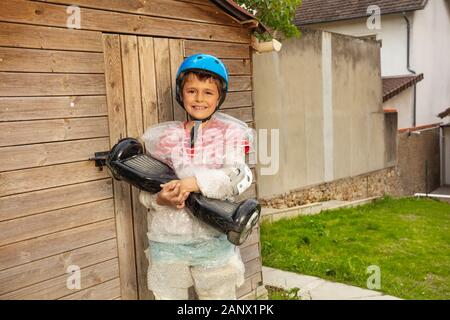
{"type": "Point", "coordinates": [56, 208]}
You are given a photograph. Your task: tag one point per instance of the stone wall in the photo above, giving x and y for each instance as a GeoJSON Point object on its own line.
{"type": "Point", "coordinates": [404, 179]}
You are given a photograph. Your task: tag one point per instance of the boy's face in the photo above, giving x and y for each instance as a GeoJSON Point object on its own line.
{"type": "Point", "coordinates": [200, 98]}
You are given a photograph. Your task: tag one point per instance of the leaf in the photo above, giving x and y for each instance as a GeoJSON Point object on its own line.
{"type": "Point", "coordinates": [277, 15]}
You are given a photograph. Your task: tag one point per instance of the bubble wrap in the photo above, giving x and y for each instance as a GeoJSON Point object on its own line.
{"type": "Point", "coordinates": [171, 280]}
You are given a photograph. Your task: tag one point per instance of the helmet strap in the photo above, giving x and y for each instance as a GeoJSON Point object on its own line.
{"type": "Point", "coordinates": [194, 132]}
{"type": "Point", "coordinates": [197, 124]}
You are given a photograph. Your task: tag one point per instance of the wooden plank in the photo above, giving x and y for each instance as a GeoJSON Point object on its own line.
{"type": "Point", "coordinates": [34, 60]}
{"type": "Point", "coordinates": [39, 108]}
{"type": "Point", "coordinates": [245, 288]}
{"type": "Point", "coordinates": [157, 8]}
{"type": "Point", "coordinates": [202, 2]}
{"type": "Point", "coordinates": [118, 129]}
{"type": "Point", "coordinates": [54, 221]}
{"type": "Point", "coordinates": [238, 66]}
{"type": "Point", "coordinates": [218, 49]}
{"type": "Point", "coordinates": [141, 243]}
{"type": "Point", "coordinates": [125, 236]}
{"type": "Point", "coordinates": [250, 252]}
{"type": "Point", "coordinates": [252, 267]}
{"type": "Point", "coordinates": [256, 280]}
{"type": "Point", "coordinates": [240, 83]}
{"type": "Point", "coordinates": [38, 13]}
{"type": "Point", "coordinates": [150, 117]}
{"type": "Point", "coordinates": [30, 273]}
{"type": "Point", "coordinates": [243, 114]}
{"type": "Point", "coordinates": [148, 81]}
{"type": "Point", "coordinates": [56, 243]}
{"type": "Point", "coordinates": [176, 59]}
{"type": "Point", "coordinates": [238, 99]}
{"type": "Point", "coordinates": [132, 91]}
{"type": "Point", "coordinates": [25, 204]}
{"type": "Point", "coordinates": [114, 88]}
{"type": "Point", "coordinates": [163, 79]}
{"type": "Point", "coordinates": [250, 284]}
{"type": "Point", "coordinates": [105, 291]}
{"type": "Point", "coordinates": [27, 180]}
{"type": "Point", "coordinates": [38, 131]}
{"type": "Point", "coordinates": [253, 238]}
{"type": "Point", "coordinates": [57, 287]}
{"type": "Point", "coordinates": [47, 84]}
{"type": "Point", "coordinates": [38, 155]}
{"type": "Point", "coordinates": [134, 123]}
{"type": "Point", "coordinates": [249, 193]}
{"type": "Point", "coordinates": [26, 36]}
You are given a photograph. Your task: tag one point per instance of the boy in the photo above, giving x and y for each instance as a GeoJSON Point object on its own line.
{"type": "Point", "coordinates": [183, 251]}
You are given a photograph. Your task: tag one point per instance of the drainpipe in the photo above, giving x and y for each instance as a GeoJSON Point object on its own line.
{"type": "Point", "coordinates": [408, 66]}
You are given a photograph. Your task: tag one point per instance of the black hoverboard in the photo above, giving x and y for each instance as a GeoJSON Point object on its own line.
{"type": "Point", "coordinates": [127, 162]}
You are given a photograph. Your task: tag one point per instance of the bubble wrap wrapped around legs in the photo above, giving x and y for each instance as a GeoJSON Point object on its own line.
{"type": "Point", "coordinates": [170, 280]}
{"type": "Point", "coordinates": [184, 251]}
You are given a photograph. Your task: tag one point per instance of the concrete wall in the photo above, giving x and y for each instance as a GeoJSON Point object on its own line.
{"type": "Point", "coordinates": [323, 93]}
{"type": "Point", "coordinates": [430, 48]}
{"type": "Point", "coordinates": [403, 102]}
{"type": "Point", "coordinates": [430, 55]}
{"type": "Point", "coordinates": [392, 34]}
{"type": "Point", "coordinates": [390, 138]}
{"type": "Point", "coordinates": [406, 177]}
{"type": "Point", "coordinates": [417, 150]}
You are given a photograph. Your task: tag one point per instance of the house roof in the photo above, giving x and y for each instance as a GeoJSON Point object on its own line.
{"type": "Point", "coordinates": [392, 86]}
{"type": "Point", "coordinates": [317, 11]}
{"type": "Point", "coordinates": [239, 13]}
{"type": "Point", "coordinates": [444, 114]}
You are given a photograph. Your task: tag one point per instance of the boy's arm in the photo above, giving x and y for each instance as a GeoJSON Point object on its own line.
{"type": "Point", "coordinates": [221, 183]}
{"type": "Point", "coordinates": [148, 200]}
{"type": "Point", "coordinates": [234, 178]}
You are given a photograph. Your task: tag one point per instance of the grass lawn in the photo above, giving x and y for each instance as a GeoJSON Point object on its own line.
{"type": "Point", "coordinates": [408, 238]}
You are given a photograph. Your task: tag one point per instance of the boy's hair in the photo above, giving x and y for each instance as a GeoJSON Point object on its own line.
{"type": "Point", "coordinates": [203, 76]}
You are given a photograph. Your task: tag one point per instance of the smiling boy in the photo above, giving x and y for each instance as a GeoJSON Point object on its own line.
{"type": "Point", "coordinates": [183, 251]}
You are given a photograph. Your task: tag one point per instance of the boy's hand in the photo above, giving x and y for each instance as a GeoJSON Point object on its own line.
{"type": "Point", "coordinates": [171, 195]}
{"type": "Point", "coordinates": [184, 187]}
{"type": "Point", "coordinates": [189, 185]}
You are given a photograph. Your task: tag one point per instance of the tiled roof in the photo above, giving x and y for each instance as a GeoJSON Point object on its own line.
{"type": "Point", "coordinates": [392, 86]}
{"type": "Point", "coordinates": [317, 11]}
{"type": "Point", "coordinates": [236, 11]}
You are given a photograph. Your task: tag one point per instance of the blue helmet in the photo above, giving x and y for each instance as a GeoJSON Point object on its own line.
{"type": "Point", "coordinates": [203, 63]}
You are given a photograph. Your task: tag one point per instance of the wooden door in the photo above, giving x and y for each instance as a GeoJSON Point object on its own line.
{"type": "Point", "coordinates": [140, 77]}
{"type": "Point", "coordinates": [139, 73]}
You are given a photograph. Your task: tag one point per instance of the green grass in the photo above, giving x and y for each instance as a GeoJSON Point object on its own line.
{"type": "Point", "coordinates": [408, 238]}
{"type": "Point", "coordinates": [280, 294]}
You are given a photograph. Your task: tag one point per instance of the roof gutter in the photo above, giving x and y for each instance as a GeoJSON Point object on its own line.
{"type": "Point", "coordinates": [244, 17]}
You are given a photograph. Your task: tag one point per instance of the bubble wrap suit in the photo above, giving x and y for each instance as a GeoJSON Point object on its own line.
{"type": "Point", "coordinates": [184, 251]}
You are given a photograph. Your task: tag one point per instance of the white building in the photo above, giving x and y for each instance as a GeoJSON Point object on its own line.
{"type": "Point", "coordinates": [415, 40]}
